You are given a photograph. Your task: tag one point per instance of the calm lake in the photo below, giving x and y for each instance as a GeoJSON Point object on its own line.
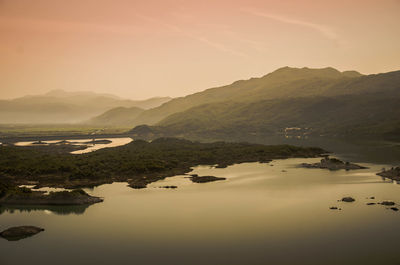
{"type": "Point", "coordinates": [262, 214]}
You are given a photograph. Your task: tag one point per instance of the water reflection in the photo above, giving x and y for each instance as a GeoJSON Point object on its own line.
{"type": "Point", "coordinates": [47, 209]}
{"type": "Point", "coordinates": [258, 215]}
{"type": "Point", "coordinates": [114, 143]}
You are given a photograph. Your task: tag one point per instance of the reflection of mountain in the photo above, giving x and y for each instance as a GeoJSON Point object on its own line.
{"type": "Point", "coordinates": [59, 210]}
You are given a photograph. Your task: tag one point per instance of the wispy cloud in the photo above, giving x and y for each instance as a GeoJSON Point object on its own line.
{"type": "Point", "coordinates": [322, 29]}
{"type": "Point", "coordinates": [197, 37]}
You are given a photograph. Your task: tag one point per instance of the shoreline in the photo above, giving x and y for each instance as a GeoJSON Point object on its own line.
{"type": "Point", "coordinates": [138, 163]}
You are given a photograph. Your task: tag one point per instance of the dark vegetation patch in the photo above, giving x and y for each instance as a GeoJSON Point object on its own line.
{"type": "Point", "coordinates": [139, 162]}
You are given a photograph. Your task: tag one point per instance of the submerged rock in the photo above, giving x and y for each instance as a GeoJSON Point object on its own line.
{"type": "Point", "coordinates": [20, 232]}
{"type": "Point", "coordinates": [332, 164]}
{"type": "Point", "coordinates": [387, 203]}
{"type": "Point", "coordinates": [371, 203]}
{"type": "Point", "coordinates": [334, 208]}
{"type": "Point", "coordinates": [348, 199]}
{"type": "Point", "coordinates": [204, 179]}
{"type": "Point", "coordinates": [394, 209]}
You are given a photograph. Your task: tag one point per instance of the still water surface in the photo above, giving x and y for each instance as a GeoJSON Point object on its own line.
{"type": "Point", "coordinates": [90, 147]}
{"type": "Point", "coordinates": [261, 214]}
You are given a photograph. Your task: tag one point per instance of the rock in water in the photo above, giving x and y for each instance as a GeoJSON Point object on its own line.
{"type": "Point", "coordinates": [20, 232]}
{"type": "Point", "coordinates": [348, 199]}
{"type": "Point", "coordinates": [388, 203]}
{"type": "Point", "coordinates": [332, 164]}
{"type": "Point", "coordinates": [204, 179]}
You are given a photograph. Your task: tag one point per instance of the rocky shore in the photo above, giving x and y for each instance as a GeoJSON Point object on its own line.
{"type": "Point", "coordinates": [138, 163]}
{"type": "Point", "coordinates": [393, 173]}
{"type": "Point", "coordinates": [204, 179]}
{"type": "Point", "coordinates": [26, 196]}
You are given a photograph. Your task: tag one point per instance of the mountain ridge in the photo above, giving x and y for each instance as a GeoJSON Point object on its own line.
{"type": "Point", "coordinates": [361, 105]}
{"type": "Point", "coordinates": [243, 90]}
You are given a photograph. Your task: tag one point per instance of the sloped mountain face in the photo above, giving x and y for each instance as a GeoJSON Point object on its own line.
{"type": "Point", "coordinates": [151, 102]}
{"type": "Point", "coordinates": [284, 82]}
{"type": "Point", "coordinates": [65, 107]}
{"type": "Point", "coordinates": [313, 101]}
{"type": "Point", "coordinates": [120, 116]}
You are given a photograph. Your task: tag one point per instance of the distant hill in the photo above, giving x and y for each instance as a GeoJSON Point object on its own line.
{"type": "Point", "coordinates": [120, 116]}
{"type": "Point", "coordinates": [292, 103]}
{"type": "Point", "coordinates": [59, 106]}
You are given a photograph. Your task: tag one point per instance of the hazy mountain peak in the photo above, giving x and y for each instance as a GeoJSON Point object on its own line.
{"type": "Point", "coordinates": [351, 73]}
{"type": "Point", "coordinates": [307, 70]}
{"type": "Point", "coordinates": [60, 93]}
{"type": "Point", "coordinates": [292, 73]}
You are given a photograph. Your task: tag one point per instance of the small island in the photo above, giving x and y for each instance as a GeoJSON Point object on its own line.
{"type": "Point", "coordinates": [20, 232]}
{"type": "Point", "coordinates": [332, 164]}
{"type": "Point", "coordinates": [348, 199]}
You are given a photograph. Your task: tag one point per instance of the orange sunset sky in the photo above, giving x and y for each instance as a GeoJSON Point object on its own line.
{"type": "Point", "coordinates": [141, 49]}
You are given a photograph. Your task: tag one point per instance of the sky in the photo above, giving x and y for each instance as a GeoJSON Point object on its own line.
{"type": "Point", "coordinates": [139, 49]}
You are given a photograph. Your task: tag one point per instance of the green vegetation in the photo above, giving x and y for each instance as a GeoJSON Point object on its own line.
{"type": "Point", "coordinates": [283, 83]}
{"type": "Point", "coordinates": [320, 102]}
{"type": "Point", "coordinates": [138, 162]}
{"type": "Point", "coordinates": [14, 195]}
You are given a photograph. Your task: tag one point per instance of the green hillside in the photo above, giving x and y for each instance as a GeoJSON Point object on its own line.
{"type": "Point", "coordinates": [330, 104]}
{"type": "Point", "coordinates": [284, 82]}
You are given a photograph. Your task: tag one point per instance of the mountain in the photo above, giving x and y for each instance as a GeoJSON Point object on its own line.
{"type": "Point", "coordinates": [60, 106]}
{"type": "Point", "coordinates": [120, 116]}
{"type": "Point", "coordinates": [282, 83]}
{"type": "Point", "coordinates": [293, 103]}
{"type": "Point", "coordinates": [151, 102]}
